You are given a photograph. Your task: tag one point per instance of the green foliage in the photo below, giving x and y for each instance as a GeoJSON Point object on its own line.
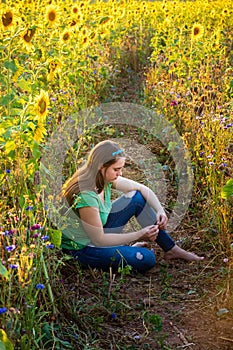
{"type": "Point", "coordinates": [55, 237]}
{"type": "Point", "coordinates": [227, 190]}
{"type": "Point", "coordinates": [3, 271]}
{"type": "Point", "coordinates": [5, 343]}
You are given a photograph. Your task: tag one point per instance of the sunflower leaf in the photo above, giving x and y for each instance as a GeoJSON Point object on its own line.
{"type": "Point", "coordinates": [10, 146]}
{"type": "Point", "coordinates": [11, 66]}
{"type": "Point", "coordinates": [4, 100]}
{"type": "Point", "coordinates": [227, 190]}
{"type": "Point", "coordinates": [3, 271]}
{"type": "Point", "coordinates": [23, 84]}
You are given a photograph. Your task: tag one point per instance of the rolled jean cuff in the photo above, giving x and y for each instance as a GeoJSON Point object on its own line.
{"type": "Point", "coordinates": [165, 241]}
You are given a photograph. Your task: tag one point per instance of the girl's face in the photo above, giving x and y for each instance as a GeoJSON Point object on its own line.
{"type": "Point", "coordinates": [111, 173]}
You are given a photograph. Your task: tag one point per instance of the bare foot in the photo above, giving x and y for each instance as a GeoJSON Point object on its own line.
{"type": "Point", "coordinates": [140, 244]}
{"type": "Point", "coordinates": [179, 253]}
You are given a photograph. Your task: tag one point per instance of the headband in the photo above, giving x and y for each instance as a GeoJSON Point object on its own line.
{"type": "Point", "coordinates": [117, 152]}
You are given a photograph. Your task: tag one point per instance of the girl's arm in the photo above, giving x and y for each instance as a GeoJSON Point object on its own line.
{"type": "Point", "coordinates": [126, 185]}
{"type": "Point", "coordinates": [94, 229]}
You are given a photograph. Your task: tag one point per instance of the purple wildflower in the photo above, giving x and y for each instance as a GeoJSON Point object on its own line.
{"type": "Point", "coordinates": [173, 103]}
{"type": "Point", "coordinates": [35, 227]}
{"type": "Point", "coordinates": [228, 126]}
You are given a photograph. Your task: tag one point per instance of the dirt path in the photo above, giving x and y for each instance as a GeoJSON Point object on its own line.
{"type": "Point", "coordinates": [188, 297]}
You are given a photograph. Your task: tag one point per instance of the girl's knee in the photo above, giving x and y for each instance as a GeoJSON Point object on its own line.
{"type": "Point", "coordinates": [145, 260]}
{"type": "Point", "coordinates": [130, 194]}
{"type": "Point", "coordinates": [138, 198]}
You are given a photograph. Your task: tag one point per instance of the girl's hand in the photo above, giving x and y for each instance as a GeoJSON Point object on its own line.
{"type": "Point", "coordinates": [150, 233]}
{"type": "Point", "coordinates": [162, 220]}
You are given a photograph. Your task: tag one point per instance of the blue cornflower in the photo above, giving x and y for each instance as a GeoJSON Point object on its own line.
{"type": "Point", "coordinates": [3, 310]}
{"type": "Point", "coordinates": [40, 286]}
{"type": "Point", "coordinates": [10, 248]}
{"type": "Point", "coordinates": [50, 246]}
{"type": "Point", "coordinates": [8, 171]}
{"type": "Point", "coordinates": [113, 316]}
{"type": "Point", "coordinates": [45, 238]}
{"type": "Point", "coordinates": [14, 266]}
{"type": "Point", "coordinates": [29, 208]}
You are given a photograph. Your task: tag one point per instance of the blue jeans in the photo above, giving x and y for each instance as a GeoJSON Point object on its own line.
{"type": "Point", "coordinates": [140, 259]}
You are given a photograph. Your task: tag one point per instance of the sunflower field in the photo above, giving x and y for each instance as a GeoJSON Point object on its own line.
{"type": "Point", "coordinates": [59, 57]}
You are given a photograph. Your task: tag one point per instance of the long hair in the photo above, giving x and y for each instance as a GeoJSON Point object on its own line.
{"type": "Point", "coordinates": [89, 177]}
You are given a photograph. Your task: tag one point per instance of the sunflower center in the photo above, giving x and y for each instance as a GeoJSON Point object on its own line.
{"type": "Point", "coordinates": [42, 106]}
{"type": "Point", "coordinates": [7, 18]}
{"type": "Point", "coordinates": [196, 31]}
{"type": "Point", "coordinates": [66, 36]}
{"type": "Point", "coordinates": [52, 16]}
{"type": "Point", "coordinates": [29, 35]}
{"type": "Point", "coordinates": [73, 24]}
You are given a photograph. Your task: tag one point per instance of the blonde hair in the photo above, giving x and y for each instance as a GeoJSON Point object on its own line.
{"type": "Point", "coordinates": [89, 177]}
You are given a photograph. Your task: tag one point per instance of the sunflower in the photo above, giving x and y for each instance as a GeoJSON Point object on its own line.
{"type": "Point", "coordinates": [54, 68]}
{"type": "Point", "coordinates": [8, 18]}
{"type": "Point", "coordinates": [225, 12]}
{"type": "Point", "coordinates": [76, 22]}
{"type": "Point", "coordinates": [52, 14]}
{"type": "Point", "coordinates": [27, 37]}
{"type": "Point", "coordinates": [41, 106]}
{"type": "Point", "coordinates": [92, 36]}
{"type": "Point", "coordinates": [55, 65]}
{"type": "Point", "coordinates": [105, 20]}
{"type": "Point", "coordinates": [65, 36]}
{"type": "Point", "coordinates": [75, 10]}
{"type": "Point", "coordinates": [197, 31]}
{"type": "Point", "coordinates": [40, 132]}
{"type": "Point", "coordinates": [84, 41]}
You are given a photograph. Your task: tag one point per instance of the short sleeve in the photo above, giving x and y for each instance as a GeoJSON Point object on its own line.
{"type": "Point", "coordinates": [87, 199]}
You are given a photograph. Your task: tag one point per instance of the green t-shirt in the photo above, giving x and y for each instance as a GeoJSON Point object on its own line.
{"type": "Point", "coordinates": [74, 236]}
